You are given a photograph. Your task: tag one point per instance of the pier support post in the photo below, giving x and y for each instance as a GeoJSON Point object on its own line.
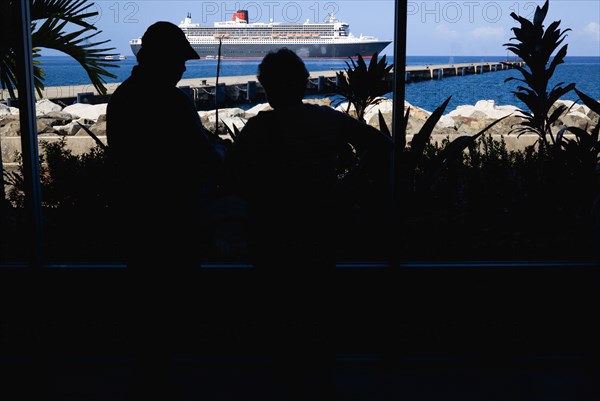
{"type": "Point", "coordinates": [85, 97]}
{"type": "Point", "coordinates": [407, 77]}
{"type": "Point", "coordinates": [220, 93]}
{"type": "Point", "coordinates": [462, 71]}
{"type": "Point", "coordinates": [440, 73]}
{"type": "Point", "coordinates": [320, 84]}
{"type": "Point", "coordinates": [250, 91]}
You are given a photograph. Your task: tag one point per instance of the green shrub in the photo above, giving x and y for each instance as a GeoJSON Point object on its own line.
{"type": "Point", "coordinates": [67, 180]}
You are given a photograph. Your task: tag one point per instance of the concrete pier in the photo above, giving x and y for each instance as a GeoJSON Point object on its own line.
{"type": "Point", "coordinates": [245, 89]}
{"type": "Point", "coordinates": [439, 71]}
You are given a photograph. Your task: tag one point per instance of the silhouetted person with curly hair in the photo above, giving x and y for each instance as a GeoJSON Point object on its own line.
{"type": "Point", "coordinates": [284, 163]}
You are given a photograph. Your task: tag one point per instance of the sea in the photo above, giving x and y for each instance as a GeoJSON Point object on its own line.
{"type": "Point", "coordinates": [463, 90]}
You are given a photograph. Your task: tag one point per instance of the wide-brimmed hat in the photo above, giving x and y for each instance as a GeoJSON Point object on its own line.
{"type": "Point", "coordinates": [165, 39]}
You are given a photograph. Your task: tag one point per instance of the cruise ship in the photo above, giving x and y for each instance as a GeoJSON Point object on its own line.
{"type": "Point", "coordinates": [243, 40]}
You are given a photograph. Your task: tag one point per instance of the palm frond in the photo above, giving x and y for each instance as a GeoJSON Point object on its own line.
{"type": "Point", "coordinates": [70, 11]}
{"type": "Point", "coordinates": [50, 20]}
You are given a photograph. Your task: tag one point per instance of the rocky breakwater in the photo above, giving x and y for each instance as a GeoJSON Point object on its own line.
{"type": "Point", "coordinates": [464, 120]}
{"type": "Point", "coordinates": [471, 119]}
{"type": "Point", "coordinates": [55, 122]}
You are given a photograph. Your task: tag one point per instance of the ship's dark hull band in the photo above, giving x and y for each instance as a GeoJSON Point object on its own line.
{"type": "Point", "coordinates": [304, 50]}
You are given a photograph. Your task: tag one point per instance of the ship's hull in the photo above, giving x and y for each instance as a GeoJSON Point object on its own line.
{"type": "Point", "coordinates": [304, 50]}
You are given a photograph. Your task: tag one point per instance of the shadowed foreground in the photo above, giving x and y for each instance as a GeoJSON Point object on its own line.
{"type": "Point", "coordinates": [410, 333]}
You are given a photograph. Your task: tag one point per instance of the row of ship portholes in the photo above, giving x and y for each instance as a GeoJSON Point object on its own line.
{"type": "Point", "coordinates": [214, 50]}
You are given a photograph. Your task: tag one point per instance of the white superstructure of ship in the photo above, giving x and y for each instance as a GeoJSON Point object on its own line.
{"type": "Point", "coordinates": [240, 39]}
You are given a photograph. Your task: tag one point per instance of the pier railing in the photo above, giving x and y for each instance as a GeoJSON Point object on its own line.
{"type": "Point", "coordinates": [246, 89]}
{"type": "Point", "coordinates": [439, 71]}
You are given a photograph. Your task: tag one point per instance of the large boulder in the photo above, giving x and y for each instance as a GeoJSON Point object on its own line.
{"type": "Point", "coordinates": [570, 105]}
{"type": "Point", "coordinates": [210, 115]}
{"type": "Point", "coordinates": [416, 118]}
{"type": "Point", "coordinates": [575, 119]}
{"type": "Point", "coordinates": [227, 117]}
{"type": "Point", "coordinates": [7, 111]}
{"type": "Point", "coordinates": [10, 125]}
{"type": "Point", "coordinates": [485, 108]}
{"type": "Point", "coordinates": [254, 110]}
{"type": "Point", "coordinates": [55, 118]}
{"type": "Point", "coordinates": [44, 128]}
{"type": "Point", "coordinates": [87, 111]}
{"type": "Point", "coordinates": [506, 126]}
{"type": "Point", "coordinates": [46, 106]}
{"type": "Point", "coordinates": [319, 101]}
{"type": "Point", "coordinates": [98, 128]}
{"type": "Point", "coordinates": [385, 106]}
{"type": "Point", "coordinates": [576, 115]}
{"type": "Point", "coordinates": [70, 129]}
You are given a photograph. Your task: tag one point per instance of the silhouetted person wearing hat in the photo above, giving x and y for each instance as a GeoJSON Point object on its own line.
{"type": "Point", "coordinates": [165, 158]}
{"type": "Point", "coordinates": [283, 163]}
{"type": "Point", "coordinates": [165, 164]}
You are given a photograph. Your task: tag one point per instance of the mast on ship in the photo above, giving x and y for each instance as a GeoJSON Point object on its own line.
{"type": "Point", "coordinates": [187, 22]}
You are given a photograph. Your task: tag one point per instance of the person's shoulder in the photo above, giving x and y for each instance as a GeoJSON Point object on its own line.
{"type": "Point", "coordinates": [321, 108]}
{"type": "Point", "coordinates": [263, 117]}
{"type": "Point", "coordinates": [125, 92]}
{"type": "Point", "coordinates": [120, 89]}
{"type": "Point", "coordinates": [180, 93]}
{"type": "Point", "coordinates": [327, 113]}
{"type": "Point", "coordinates": [257, 127]}
{"type": "Point", "coordinates": [120, 99]}
{"type": "Point", "coordinates": [264, 114]}
{"type": "Point", "coordinates": [316, 107]}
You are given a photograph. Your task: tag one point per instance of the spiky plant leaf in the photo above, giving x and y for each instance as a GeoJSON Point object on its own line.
{"type": "Point", "coordinates": [383, 125]}
{"type": "Point", "coordinates": [535, 46]}
{"type": "Point", "coordinates": [452, 153]}
{"type": "Point", "coordinates": [556, 114]}
{"type": "Point", "coordinates": [421, 138]}
{"type": "Point", "coordinates": [94, 137]}
{"type": "Point", "coordinates": [363, 85]}
{"type": "Point", "coordinates": [588, 101]}
{"type": "Point", "coordinates": [401, 132]}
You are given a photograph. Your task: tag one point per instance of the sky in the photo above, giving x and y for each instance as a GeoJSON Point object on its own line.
{"type": "Point", "coordinates": [435, 28]}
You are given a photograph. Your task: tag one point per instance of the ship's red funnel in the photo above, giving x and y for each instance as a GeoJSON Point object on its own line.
{"type": "Point", "coordinates": [240, 15]}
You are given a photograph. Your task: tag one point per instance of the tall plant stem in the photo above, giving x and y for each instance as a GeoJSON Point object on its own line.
{"type": "Point", "coordinates": [217, 87]}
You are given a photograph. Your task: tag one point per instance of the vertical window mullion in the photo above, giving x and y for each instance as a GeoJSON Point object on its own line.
{"type": "Point", "coordinates": [400, 22]}
{"type": "Point", "coordinates": [29, 140]}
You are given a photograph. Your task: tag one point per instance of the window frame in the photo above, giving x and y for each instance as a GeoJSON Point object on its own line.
{"type": "Point", "coordinates": [29, 137]}
{"type": "Point", "coordinates": [34, 237]}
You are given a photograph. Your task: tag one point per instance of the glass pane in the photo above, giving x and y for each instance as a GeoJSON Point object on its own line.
{"type": "Point", "coordinates": [79, 222]}
{"type": "Point", "coordinates": [501, 198]}
{"type": "Point", "coordinates": [73, 183]}
{"type": "Point", "coordinates": [13, 221]}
